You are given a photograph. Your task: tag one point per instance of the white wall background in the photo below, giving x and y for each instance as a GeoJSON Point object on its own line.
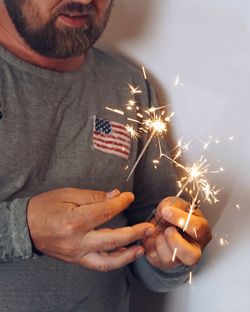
{"type": "Point", "coordinates": [207, 44]}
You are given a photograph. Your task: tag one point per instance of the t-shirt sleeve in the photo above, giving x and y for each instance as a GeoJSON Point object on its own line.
{"type": "Point", "coordinates": [15, 240]}
{"type": "Point", "coordinates": [159, 280]}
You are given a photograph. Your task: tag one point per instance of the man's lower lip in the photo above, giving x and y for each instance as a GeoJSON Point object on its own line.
{"type": "Point", "coordinates": [76, 21]}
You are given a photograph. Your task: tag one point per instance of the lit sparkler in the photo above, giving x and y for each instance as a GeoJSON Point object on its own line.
{"type": "Point", "coordinates": [153, 121]}
{"type": "Point", "coordinates": [194, 180]}
{"type": "Point", "coordinates": [156, 124]}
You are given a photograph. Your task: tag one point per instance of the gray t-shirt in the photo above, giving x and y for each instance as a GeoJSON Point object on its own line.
{"type": "Point", "coordinates": [47, 125]}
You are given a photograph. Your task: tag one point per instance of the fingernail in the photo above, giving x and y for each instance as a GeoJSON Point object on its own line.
{"type": "Point", "coordinates": [139, 253]}
{"type": "Point", "coordinates": [113, 194]}
{"type": "Point", "coordinates": [166, 212]}
{"type": "Point", "coordinates": [150, 231]}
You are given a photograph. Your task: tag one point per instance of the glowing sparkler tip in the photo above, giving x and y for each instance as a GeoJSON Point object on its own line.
{"type": "Point", "coordinates": [195, 172]}
{"type": "Point", "coordinates": [158, 125]}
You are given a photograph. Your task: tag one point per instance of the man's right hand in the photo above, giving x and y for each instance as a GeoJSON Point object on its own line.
{"type": "Point", "coordinates": [63, 224]}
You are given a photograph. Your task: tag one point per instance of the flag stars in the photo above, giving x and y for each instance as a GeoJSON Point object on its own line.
{"type": "Point", "coordinates": [103, 126]}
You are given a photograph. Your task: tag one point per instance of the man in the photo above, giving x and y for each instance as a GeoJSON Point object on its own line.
{"type": "Point", "coordinates": [65, 239]}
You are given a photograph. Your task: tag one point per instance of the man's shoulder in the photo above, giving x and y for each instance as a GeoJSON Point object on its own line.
{"type": "Point", "coordinates": [115, 64]}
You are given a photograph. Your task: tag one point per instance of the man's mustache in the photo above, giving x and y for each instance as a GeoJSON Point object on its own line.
{"type": "Point", "coordinates": [76, 8]}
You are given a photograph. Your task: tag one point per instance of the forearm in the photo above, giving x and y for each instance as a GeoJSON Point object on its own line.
{"type": "Point", "coordinates": [14, 234]}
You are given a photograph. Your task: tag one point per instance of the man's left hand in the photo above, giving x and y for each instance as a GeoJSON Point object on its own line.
{"type": "Point", "coordinates": [170, 245]}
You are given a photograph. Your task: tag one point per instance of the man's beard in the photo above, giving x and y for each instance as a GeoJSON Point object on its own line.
{"type": "Point", "coordinates": [48, 40]}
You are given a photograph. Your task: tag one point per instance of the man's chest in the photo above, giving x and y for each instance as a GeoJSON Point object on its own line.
{"type": "Point", "coordinates": [47, 140]}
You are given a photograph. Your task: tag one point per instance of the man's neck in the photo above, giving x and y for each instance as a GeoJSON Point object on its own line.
{"type": "Point", "coordinates": [13, 42]}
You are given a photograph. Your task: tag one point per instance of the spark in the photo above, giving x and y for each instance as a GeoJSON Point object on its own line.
{"type": "Point", "coordinates": [156, 161]}
{"type": "Point", "coordinates": [114, 110]}
{"type": "Point", "coordinates": [134, 90]}
{"type": "Point", "coordinates": [190, 278]}
{"type": "Point", "coordinates": [178, 82]}
{"type": "Point", "coordinates": [139, 115]}
{"type": "Point", "coordinates": [223, 241]}
{"type": "Point", "coordinates": [180, 148]}
{"type": "Point", "coordinates": [174, 254]}
{"type": "Point", "coordinates": [210, 141]}
{"type": "Point", "coordinates": [133, 133]}
{"type": "Point", "coordinates": [131, 103]}
{"type": "Point", "coordinates": [144, 73]}
{"type": "Point", "coordinates": [237, 206]}
{"type": "Point", "coordinates": [195, 232]}
{"type": "Point", "coordinates": [231, 138]}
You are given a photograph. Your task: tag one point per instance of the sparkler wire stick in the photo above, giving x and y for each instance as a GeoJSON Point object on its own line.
{"type": "Point", "coordinates": [142, 153]}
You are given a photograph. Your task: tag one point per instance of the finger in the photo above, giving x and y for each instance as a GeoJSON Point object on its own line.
{"type": "Point", "coordinates": [195, 226]}
{"type": "Point", "coordinates": [109, 239]}
{"type": "Point", "coordinates": [163, 250]}
{"type": "Point", "coordinates": [105, 262]}
{"type": "Point", "coordinates": [159, 221]}
{"type": "Point", "coordinates": [84, 197]}
{"type": "Point", "coordinates": [187, 252]}
{"type": "Point", "coordinates": [96, 214]}
{"type": "Point", "coordinates": [76, 195]}
{"type": "Point", "coordinates": [179, 203]}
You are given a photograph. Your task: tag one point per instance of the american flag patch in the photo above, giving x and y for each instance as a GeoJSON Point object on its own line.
{"type": "Point", "coordinates": [111, 137]}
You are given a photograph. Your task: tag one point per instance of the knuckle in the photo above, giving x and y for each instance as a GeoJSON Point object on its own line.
{"type": "Point", "coordinates": [112, 244]}
{"type": "Point", "coordinates": [69, 229]}
{"type": "Point", "coordinates": [158, 241]}
{"type": "Point", "coordinates": [69, 249]}
{"type": "Point", "coordinates": [98, 196]}
{"type": "Point", "coordinates": [105, 267]}
{"type": "Point", "coordinates": [107, 213]}
{"type": "Point", "coordinates": [165, 259]}
{"type": "Point", "coordinates": [169, 233]}
{"type": "Point", "coordinates": [152, 255]}
{"type": "Point", "coordinates": [136, 234]}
